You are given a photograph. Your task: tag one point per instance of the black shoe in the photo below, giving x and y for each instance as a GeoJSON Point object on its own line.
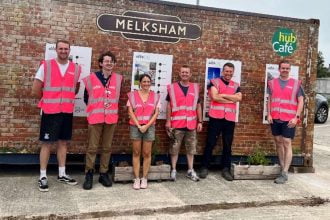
{"type": "Point", "coordinates": [227, 175]}
{"type": "Point", "coordinates": [105, 180]}
{"type": "Point", "coordinates": [43, 184]}
{"type": "Point", "coordinates": [203, 173]}
{"type": "Point", "coordinates": [88, 184]}
{"type": "Point", "coordinates": [67, 179]}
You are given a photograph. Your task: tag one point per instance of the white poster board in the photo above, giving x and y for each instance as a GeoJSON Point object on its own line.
{"type": "Point", "coordinates": [82, 56]}
{"type": "Point", "coordinates": [213, 70]}
{"type": "Point", "coordinates": [159, 67]}
{"type": "Point", "coordinates": [272, 72]}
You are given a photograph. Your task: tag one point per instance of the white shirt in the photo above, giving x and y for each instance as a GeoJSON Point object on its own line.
{"type": "Point", "coordinates": [41, 73]}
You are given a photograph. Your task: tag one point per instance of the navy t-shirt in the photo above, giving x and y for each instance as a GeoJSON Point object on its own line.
{"type": "Point", "coordinates": [226, 83]}
{"type": "Point", "coordinates": [185, 91]}
{"type": "Point", "coordinates": [103, 80]}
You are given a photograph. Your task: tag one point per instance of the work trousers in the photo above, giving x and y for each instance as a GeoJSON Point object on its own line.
{"type": "Point", "coordinates": [215, 128]}
{"type": "Point", "coordinates": [99, 133]}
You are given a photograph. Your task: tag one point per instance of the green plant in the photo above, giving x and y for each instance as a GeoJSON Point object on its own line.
{"type": "Point", "coordinates": [258, 157]}
{"type": "Point", "coordinates": [296, 151]}
{"type": "Point", "coordinates": [8, 150]}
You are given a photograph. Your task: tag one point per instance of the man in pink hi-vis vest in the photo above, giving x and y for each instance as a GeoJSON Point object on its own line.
{"type": "Point", "coordinates": [55, 84]}
{"type": "Point", "coordinates": [184, 118]}
{"type": "Point", "coordinates": [224, 94]}
{"type": "Point", "coordinates": [285, 104]}
{"type": "Point", "coordinates": [102, 98]}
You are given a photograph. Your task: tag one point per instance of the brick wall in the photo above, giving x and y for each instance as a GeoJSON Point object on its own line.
{"type": "Point", "coordinates": [27, 25]}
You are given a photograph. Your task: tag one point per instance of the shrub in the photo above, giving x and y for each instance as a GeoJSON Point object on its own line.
{"type": "Point", "coordinates": [258, 157]}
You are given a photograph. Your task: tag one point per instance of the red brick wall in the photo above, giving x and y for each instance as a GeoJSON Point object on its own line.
{"type": "Point", "coordinates": [27, 25]}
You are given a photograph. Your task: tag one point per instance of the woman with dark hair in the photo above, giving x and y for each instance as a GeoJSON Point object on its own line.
{"type": "Point", "coordinates": [143, 109]}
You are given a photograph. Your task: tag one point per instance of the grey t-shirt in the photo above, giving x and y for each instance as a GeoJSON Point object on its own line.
{"type": "Point", "coordinates": [283, 84]}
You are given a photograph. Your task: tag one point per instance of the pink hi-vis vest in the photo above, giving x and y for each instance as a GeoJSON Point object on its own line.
{"type": "Point", "coordinates": [103, 101]}
{"type": "Point", "coordinates": [143, 111]}
{"type": "Point", "coordinates": [183, 108]}
{"type": "Point", "coordinates": [223, 110]}
{"type": "Point", "coordinates": [284, 101]}
{"type": "Point", "coordinates": [58, 92]}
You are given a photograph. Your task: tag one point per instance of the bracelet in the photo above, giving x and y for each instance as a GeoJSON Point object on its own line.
{"type": "Point", "coordinates": [200, 122]}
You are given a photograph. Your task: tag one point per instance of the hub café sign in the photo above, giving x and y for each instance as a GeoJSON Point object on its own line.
{"type": "Point", "coordinates": [149, 27]}
{"type": "Point", "coordinates": [284, 42]}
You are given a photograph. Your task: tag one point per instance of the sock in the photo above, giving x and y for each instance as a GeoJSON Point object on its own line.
{"type": "Point", "coordinates": [61, 171]}
{"type": "Point", "coordinates": [42, 174]}
{"type": "Point", "coordinates": [189, 170]}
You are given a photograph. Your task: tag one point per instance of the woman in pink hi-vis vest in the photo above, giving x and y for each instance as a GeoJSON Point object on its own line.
{"type": "Point", "coordinates": [143, 109]}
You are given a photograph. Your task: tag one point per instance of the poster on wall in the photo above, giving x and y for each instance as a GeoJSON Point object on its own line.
{"type": "Point", "coordinates": [272, 72]}
{"type": "Point", "coordinates": [82, 56]}
{"type": "Point", "coordinates": [213, 70]}
{"type": "Point", "coordinates": [159, 67]}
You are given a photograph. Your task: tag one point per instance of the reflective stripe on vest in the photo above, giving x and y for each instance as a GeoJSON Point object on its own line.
{"type": "Point", "coordinates": [58, 90]}
{"type": "Point", "coordinates": [183, 107]}
{"type": "Point", "coordinates": [175, 107]}
{"type": "Point", "coordinates": [103, 101]}
{"type": "Point", "coordinates": [224, 110]}
{"type": "Point", "coordinates": [58, 100]}
{"type": "Point", "coordinates": [143, 118]}
{"type": "Point", "coordinates": [93, 101]}
{"type": "Point", "coordinates": [143, 111]}
{"type": "Point", "coordinates": [47, 80]}
{"type": "Point", "coordinates": [102, 110]}
{"type": "Point", "coordinates": [284, 101]}
{"type": "Point", "coordinates": [184, 118]}
{"type": "Point", "coordinates": [284, 110]}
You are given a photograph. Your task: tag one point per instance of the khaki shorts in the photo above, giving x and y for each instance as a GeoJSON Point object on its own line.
{"type": "Point", "coordinates": [188, 137]}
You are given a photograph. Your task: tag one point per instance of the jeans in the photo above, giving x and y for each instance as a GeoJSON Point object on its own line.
{"type": "Point", "coordinates": [215, 128]}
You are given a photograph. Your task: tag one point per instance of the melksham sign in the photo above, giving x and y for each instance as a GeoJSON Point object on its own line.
{"type": "Point", "coordinates": [149, 26]}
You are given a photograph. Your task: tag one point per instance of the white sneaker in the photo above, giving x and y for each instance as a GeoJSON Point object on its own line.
{"type": "Point", "coordinates": [173, 175]}
{"type": "Point", "coordinates": [144, 183]}
{"type": "Point", "coordinates": [137, 184]}
{"type": "Point", "coordinates": [192, 175]}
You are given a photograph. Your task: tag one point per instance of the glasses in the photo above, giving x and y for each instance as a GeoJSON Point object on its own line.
{"type": "Point", "coordinates": [108, 61]}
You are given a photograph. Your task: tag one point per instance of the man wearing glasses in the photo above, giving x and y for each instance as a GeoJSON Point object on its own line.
{"type": "Point", "coordinates": [102, 97]}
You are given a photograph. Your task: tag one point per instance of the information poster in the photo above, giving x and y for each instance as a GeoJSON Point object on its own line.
{"type": "Point", "coordinates": [82, 56]}
{"type": "Point", "coordinates": [272, 72]}
{"type": "Point", "coordinates": [159, 67]}
{"type": "Point", "coordinates": [213, 70]}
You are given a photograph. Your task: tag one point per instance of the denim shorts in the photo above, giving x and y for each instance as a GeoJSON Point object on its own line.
{"type": "Point", "coordinates": [282, 129]}
{"type": "Point", "coordinates": [135, 133]}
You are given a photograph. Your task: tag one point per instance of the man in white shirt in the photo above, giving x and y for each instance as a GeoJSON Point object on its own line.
{"type": "Point", "coordinates": [55, 84]}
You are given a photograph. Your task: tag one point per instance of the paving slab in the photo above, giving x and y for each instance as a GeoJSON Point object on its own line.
{"type": "Point", "coordinates": [210, 198]}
